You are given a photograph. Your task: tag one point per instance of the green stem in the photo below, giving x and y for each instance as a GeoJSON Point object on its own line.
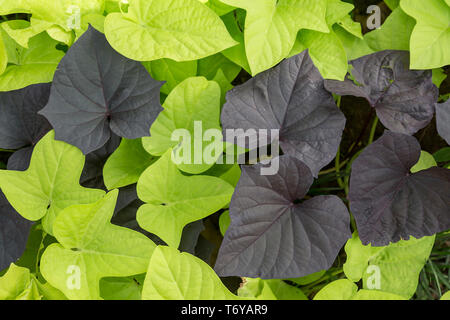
{"type": "Point", "coordinates": [373, 130]}
{"type": "Point", "coordinates": [337, 166]}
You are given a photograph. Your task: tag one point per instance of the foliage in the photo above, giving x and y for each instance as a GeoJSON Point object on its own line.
{"type": "Point", "coordinates": [99, 101]}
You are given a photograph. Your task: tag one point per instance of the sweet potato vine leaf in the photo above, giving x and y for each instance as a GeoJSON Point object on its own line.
{"type": "Point", "coordinates": [430, 39]}
{"type": "Point", "coordinates": [194, 105]}
{"type": "Point", "coordinates": [14, 231]}
{"type": "Point", "coordinates": [390, 201]}
{"type": "Point", "coordinates": [344, 289]}
{"type": "Point", "coordinates": [180, 30]}
{"type": "Point", "coordinates": [403, 99]}
{"type": "Point", "coordinates": [20, 124]}
{"type": "Point", "coordinates": [174, 200]}
{"type": "Point", "coordinates": [399, 264]}
{"type": "Point", "coordinates": [271, 27]}
{"type": "Point", "coordinates": [291, 98]}
{"type": "Point", "coordinates": [273, 234]}
{"type": "Point", "coordinates": [26, 66]}
{"type": "Point", "coordinates": [50, 184]}
{"type": "Point", "coordinates": [92, 248]}
{"type": "Point", "coordinates": [443, 120]}
{"type": "Point", "coordinates": [181, 276]}
{"type": "Point", "coordinates": [97, 92]}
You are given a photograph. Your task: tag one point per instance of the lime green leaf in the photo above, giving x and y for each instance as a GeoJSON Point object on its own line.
{"type": "Point", "coordinates": [50, 184]}
{"type": "Point", "coordinates": [180, 276]}
{"type": "Point", "coordinates": [392, 4]}
{"type": "Point", "coordinates": [3, 55]}
{"type": "Point", "coordinates": [398, 265]}
{"type": "Point", "coordinates": [430, 39]}
{"type": "Point", "coordinates": [174, 200]}
{"type": "Point", "coordinates": [91, 248]}
{"type": "Point", "coordinates": [208, 67]}
{"type": "Point", "coordinates": [235, 25]}
{"type": "Point", "coordinates": [37, 64]}
{"type": "Point", "coordinates": [120, 289]}
{"type": "Point", "coordinates": [309, 278]}
{"type": "Point", "coordinates": [224, 84]}
{"type": "Point", "coordinates": [271, 27]}
{"type": "Point", "coordinates": [194, 103]}
{"type": "Point", "coordinates": [438, 76]}
{"type": "Point", "coordinates": [171, 71]}
{"type": "Point", "coordinates": [17, 284]}
{"type": "Point", "coordinates": [342, 289]}
{"type": "Point", "coordinates": [327, 52]}
{"type": "Point", "coordinates": [337, 11]}
{"type": "Point", "coordinates": [224, 222]}
{"type": "Point", "coordinates": [269, 290]}
{"type": "Point", "coordinates": [351, 26]}
{"type": "Point", "coordinates": [354, 46]}
{"type": "Point", "coordinates": [16, 6]}
{"type": "Point", "coordinates": [426, 161]}
{"type": "Point", "coordinates": [376, 295]}
{"type": "Point", "coordinates": [181, 30]}
{"type": "Point", "coordinates": [394, 34]}
{"type": "Point", "coordinates": [446, 296]}
{"type": "Point", "coordinates": [219, 7]}
{"type": "Point", "coordinates": [126, 164]}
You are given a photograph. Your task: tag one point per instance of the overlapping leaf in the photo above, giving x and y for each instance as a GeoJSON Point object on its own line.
{"type": "Point", "coordinates": [20, 124]}
{"type": "Point", "coordinates": [272, 234]}
{"type": "Point", "coordinates": [180, 276]}
{"type": "Point", "coordinates": [398, 264]}
{"type": "Point", "coordinates": [271, 27]}
{"type": "Point", "coordinates": [88, 241]}
{"type": "Point", "coordinates": [403, 98]}
{"type": "Point", "coordinates": [50, 184]}
{"type": "Point", "coordinates": [97, 92]}
{"type": "Point", "coordinates": [443, 120]}
{"type": "Point", "coordinates": [194, 107]}
{"type": "Point", "coordinates": [180, 30]}
{"type": "Point", "coordinates": [14, 231]}
{"type": "Point", "coordinates": [430, 39]}
{"type": "Point", "coordinates": [26, 66]}
{"type": "Point", "coordinates": [174, 200]}
{"type": "Point", "coordinates": [389, 202]}
{"type": "Point", "coordinates": [290, 98]}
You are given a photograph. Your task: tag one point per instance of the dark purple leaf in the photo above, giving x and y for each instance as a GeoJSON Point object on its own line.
{"type": "Point", "coordinates": [14, 231]}
{"type": "Point", "coordinates": [403, 99]}
{"type": "Point", "coordinates": [20, 124]}
{"type": "Point", "coordinates": [291, 98]}
{"type": "Point", "coordinates": [92, 175]}
{"type": "Point", "coordinates": [190, 236]}
{"type": "Point", "coordinates": [97, 91]}
{"type": "Point", "coordinates": [274, 235]}
{"type": "Point", "coordinates": [388, 201]}
{"type": "Point", "coordinates": [443, 120]}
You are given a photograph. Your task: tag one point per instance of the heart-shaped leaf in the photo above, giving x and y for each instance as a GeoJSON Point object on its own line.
{"type": "Point", "coordinates": [389, 201]}
{"type": "Point", "coordinates": [430, 39]}
{"type": "Point", "coordinates": [290, 98]}
{"type": "Point", "coordinates": [14, 231]}
{"type": "Point", "coordinates": [271, 27]}
{"type": "Point", "coordinates": [174, 200]}
{"type": "Point", "coordinates": [272, 234]}
{"type": "Point", "coordinates": [194, 105]}
{"type": "Point", "coordinates": [20, 124]}
{"type": "Point", "coordinates": [50, 184]}
{"type": "Point", "coordinates": [90, 247]}
{"type": "Point", "coordinates": [180, 30]}
{"type": "Point", "coordinates": [443, 120]}
{"type": "Point", "coordinates": [96, 91]}
{"type": "Point", "coordinates": [403, 99]}
{"type": "Point", "coordinates": [181, 276]}
{"type": "Point", "coordinates": [398, 264]}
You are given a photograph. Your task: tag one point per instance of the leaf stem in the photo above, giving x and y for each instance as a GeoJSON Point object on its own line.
{"type": "Point", "coordinates": [373, 130]}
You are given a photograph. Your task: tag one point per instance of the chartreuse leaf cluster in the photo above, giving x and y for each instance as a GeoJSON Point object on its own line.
{"type": "Point", "coordinates": [50, 184]}
{"type": "Point", "coordinates": [111, 95]}
{"type": "Point", "coordinates": [88, 241]}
